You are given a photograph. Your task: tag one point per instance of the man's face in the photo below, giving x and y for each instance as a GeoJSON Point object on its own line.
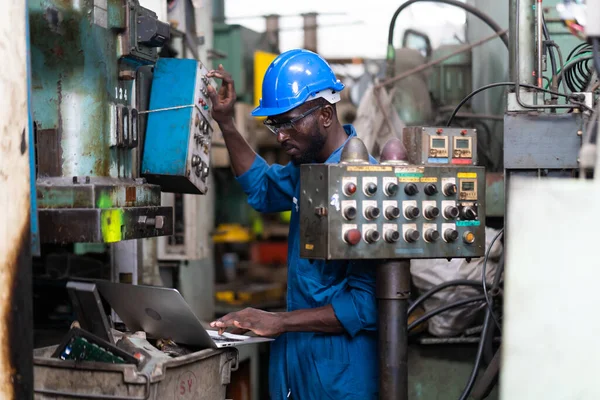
{"type": "Point", "coordinates": [298, 131]}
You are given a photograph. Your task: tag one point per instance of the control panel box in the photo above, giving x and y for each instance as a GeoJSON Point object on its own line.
{"type": "Point", "coordinates": [391, 211]}
{"type": "Point", "coordinates": [435, 145]}
{"type": "Point", "coordinates": [177, 145]}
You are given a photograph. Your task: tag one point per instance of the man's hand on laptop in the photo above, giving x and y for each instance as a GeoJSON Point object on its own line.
{"type": "Point", "coordinates": [262, 323]}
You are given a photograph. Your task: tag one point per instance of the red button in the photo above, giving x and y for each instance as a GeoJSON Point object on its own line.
{"type": "Point", "coordinates": [352, 237]}
{"type": "Point", "coordinates": [350, 189]}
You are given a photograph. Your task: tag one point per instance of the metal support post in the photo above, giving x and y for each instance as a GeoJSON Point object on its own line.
{"type": "Point", "coordinates": [393, 291]}
{"type": "Point", "coordinates": [16, 316]}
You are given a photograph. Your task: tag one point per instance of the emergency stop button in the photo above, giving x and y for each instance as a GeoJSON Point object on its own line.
{"type": "Point", "coordinates": [352, 237]}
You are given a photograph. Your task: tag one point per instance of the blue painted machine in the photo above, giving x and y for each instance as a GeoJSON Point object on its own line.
{"type": "Point", "coordinates": [178, 136]}
{"type": "Point", "coordinates": [91, 77]}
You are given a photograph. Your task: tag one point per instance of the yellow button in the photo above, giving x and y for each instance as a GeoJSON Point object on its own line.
{"type": "Point", "coordinates": [469, 237]}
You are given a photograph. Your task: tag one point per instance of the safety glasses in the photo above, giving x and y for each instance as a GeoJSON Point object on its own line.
{"type": "Point", "coordinates": [277, 127]}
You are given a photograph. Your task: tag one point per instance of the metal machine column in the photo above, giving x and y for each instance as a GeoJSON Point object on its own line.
{"type": "Point", "coordinates": [16, 333]}
{"type": "Point", "coordinates": [393, 291]}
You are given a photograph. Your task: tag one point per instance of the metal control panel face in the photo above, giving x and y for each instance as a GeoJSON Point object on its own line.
{"type": "Point", "coordinates": [381, 211]}
{"type": "Point", "coordinates": [180, 127]}
{"type": "Point", "coordinates": [433, 145]}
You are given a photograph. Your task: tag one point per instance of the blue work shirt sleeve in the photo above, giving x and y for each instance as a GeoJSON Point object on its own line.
{"type": "Point", "coordinates": [355, 306]}
{"type": "Point", "coordinates": [269, 188]}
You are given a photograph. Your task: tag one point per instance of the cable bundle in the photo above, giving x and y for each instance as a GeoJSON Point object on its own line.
{"type": "Point", "coordinates": [577, 72]}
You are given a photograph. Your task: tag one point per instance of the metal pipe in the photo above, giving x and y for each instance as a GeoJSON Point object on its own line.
{"type": "Point", "coordinates": [518, 60]}
{"type": "Point", "coordinates": [393, 291]}
{"type": "Point", "coordinates": [16, 316]}
{"type": "Point", "coordinates": [439, 60]}
{"type": "Point", "coordinates": [524, 29]}
{"type": "Point", "coordinates": [540, 42]}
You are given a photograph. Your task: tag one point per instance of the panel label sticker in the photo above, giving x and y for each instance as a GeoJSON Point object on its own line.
{"type": "Point", "coordinates": [468, 223]}
{"type": "Point", "coordinates": [369, 168]}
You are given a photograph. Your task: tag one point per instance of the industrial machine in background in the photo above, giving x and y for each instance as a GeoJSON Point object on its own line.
{"type": "Point", "coordinates": [117, 152]}
{"type": "Point", "coordinates": [86, 119]}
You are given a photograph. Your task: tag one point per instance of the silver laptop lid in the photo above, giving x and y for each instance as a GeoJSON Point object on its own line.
{"type": "Point", "coordinates": [160, 312]}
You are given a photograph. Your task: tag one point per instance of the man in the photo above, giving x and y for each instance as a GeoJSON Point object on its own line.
{"type": "Point", "coordinates": [326, 346]}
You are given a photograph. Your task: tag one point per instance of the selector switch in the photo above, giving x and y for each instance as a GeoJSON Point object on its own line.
{"type": "Point", "coordinates": [391, 236]}
{"type": "Point", "coordinates": [349, 213]}
{"type": "Point", "coordinates": [391, 189]}
{"type": "Point", "coordinates": [450, 189]}
{"type": "Point", "coordinates": [469, 237]}
{"type": "Point", "coordinates": [411, 235]}
{"type": "Point", "coordinates": [412, 212]}
{"type": "Point", "coordinates": [430, 189]}
{"type": "Point", "coordinates": [370, 189]}
{"type": "Point", "coordinates": [352, 237]}
{"type": "Point", "coordinates": [432, 212]}
{"type": "Point", "coordinates": [451, 212]}
{"type": "Point", "coordinates": [372, 212]}
{"type": "Point", "coordinates": [349, 189]}
{"type": "Point", "coordinates": [392, 212]}
{"type": "Point", "coordinates": [469, 213]}
{"type": "Point", "coordinates": [372, 235]}
{"type": "Point", "coordinates": [450, 235]}
{"type": "Point", "coordinates": [431, 235]}
{"type": "Point", "coordinates": [411, 189]}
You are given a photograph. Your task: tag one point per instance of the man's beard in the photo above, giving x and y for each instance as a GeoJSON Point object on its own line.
{"type": "Point", "coordinates": [316, 145]}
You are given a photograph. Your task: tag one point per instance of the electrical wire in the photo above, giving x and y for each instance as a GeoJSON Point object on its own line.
{"type": "Point", "coordinates": [493, 85]}
{"type": "Point", "coordinates": [441, 309]}
{"type": "Point", "coordinates": [441, 286]}
{"type": "Point", "coordinates": [548, 47]}
{"type": "Point", "coordinates": [469, 387]}
{"type": "Point", "coordinates": [488, 301]}
{"type": "Point", "coordinates": [575, 77]}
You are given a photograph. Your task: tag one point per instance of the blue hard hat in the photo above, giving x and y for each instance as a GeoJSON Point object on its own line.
{"type": "Point", "coordinates": [293, 78]}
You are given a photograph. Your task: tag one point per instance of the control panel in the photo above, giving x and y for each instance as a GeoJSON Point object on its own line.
{"type": "Point", "coordinates": [431, 145]}
{"type": "Point", "coordinates": [392, 211]}
{"type": "Point", "coordinates": [178, 134]}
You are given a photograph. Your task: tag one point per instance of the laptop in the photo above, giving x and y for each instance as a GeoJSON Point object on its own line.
{"type": "Point", "coordinates": [163, 313]}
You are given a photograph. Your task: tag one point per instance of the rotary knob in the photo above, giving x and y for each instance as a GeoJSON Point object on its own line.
{"type": "Point", "coordinates": [391, 236]}
{"type": "Point", "coordinates": [392, 212]}
{"type": "Point", "coordinates": [372, 212]}
{"type": "Point", "coordinates": [411, 235]}
{"type": "Point", "coordinates": [411, 212]}
{"type": "Point", "coordinates": [469, 213]}
{"type": "Point", "coordinates": [352, 237]}
{"type": "Point", "coordinates": [450, 235]}
{"type": "Point", "coordinates": [411, 189]}
{"type": "Point", "coordinates": [371, 236]}
{"type": "Point", "coordinates": [430, 189]}
{"type": "Point", "coordinates": [450, 189]}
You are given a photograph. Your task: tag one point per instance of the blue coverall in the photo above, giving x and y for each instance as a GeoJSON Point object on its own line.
{"type": "Point", "coordinates": [311, 365]}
